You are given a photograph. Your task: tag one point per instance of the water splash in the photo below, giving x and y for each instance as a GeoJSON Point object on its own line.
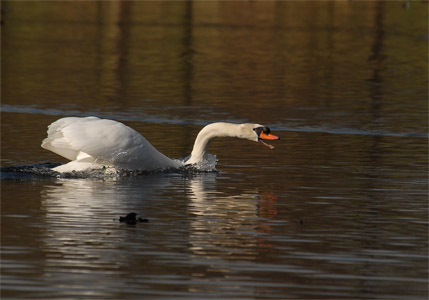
{"type": "Point", "coordinates": [28, 171]}
{"type": "Point", "coordinates": [44, 170]}
{"type": "Point", "coordinates": [207, 165]}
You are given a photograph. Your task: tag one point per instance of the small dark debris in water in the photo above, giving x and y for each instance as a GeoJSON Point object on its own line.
{"type": "Point", "coordinates": [132, 219]}
{"type": "Point", "coordinates": [301, 222]}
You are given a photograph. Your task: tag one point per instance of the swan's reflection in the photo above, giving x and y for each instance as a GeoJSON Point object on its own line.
{"type": "Point", "coordinates": [194, 222]}
{"type": "Point", "coordinates": [224, 224]}
{"type": "Point", "coordinates": [90, 198]}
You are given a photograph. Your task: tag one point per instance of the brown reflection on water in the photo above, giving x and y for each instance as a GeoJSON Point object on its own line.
{"type": "Point", "coordinates": [161, 57]}
{"type": "Point", "coordinates": [340, 215]}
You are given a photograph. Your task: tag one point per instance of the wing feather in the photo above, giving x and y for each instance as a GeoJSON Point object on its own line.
{"type": "Point", "coordinates": [105, 142]}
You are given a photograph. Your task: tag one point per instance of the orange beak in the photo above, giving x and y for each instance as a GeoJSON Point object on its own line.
{"type": "Point", "coordinates": [267, 136]}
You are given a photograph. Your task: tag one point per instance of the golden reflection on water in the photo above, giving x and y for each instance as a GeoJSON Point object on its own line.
{"type": "Point", "coordinates": [324, 214]}
{"type": "Point", "coordinates": [284, 58]}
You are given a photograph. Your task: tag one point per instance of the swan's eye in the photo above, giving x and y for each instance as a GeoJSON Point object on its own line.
{"type": "Point", "coordinates": [264, 129]}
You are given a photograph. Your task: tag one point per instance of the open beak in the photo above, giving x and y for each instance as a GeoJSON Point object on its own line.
{"type": "Point", "coordinates": [267, 136]}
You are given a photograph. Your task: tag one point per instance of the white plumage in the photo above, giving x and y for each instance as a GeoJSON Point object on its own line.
{"type": "Point", "coordinates": [93, 143]}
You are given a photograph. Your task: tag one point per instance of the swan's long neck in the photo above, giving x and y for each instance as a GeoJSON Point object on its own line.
{"type": "Point", "coordinates": [207, 134]}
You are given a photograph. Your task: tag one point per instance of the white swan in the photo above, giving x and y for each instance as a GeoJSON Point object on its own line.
{"type": "Point", "coordinates": [93, 143]}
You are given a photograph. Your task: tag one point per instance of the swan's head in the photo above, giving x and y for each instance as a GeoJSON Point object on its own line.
{"type": "Point", "coordinates": [251, 132]}
{"type": "Point", "coordinates": [258, 133]}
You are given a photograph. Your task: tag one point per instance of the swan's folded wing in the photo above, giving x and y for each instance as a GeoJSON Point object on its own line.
{"type": "Point", "coordinates": [103, 141]}
{"type": "Point", "coordinates": [57, 142]}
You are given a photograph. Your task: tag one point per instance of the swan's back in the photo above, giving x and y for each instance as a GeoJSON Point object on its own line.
{"type": "Point", "coordinates": [90, 142]}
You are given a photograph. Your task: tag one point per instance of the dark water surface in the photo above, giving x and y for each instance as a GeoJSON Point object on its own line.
{"type": "Point", "coordinates": [338, 210]}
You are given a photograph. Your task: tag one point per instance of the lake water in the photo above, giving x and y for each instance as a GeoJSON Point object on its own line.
{"type": "Point", "coordinates": [338, 210]}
